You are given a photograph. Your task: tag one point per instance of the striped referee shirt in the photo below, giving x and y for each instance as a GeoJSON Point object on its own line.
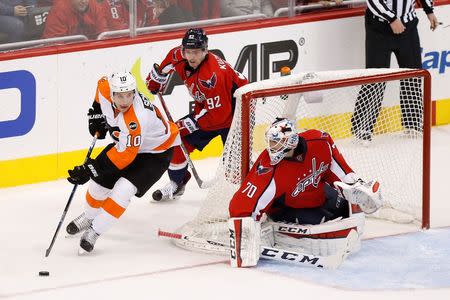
{"type": "Point", "coordinates": [389, 10]}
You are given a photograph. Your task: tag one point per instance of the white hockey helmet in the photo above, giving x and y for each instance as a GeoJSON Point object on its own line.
{"type": "Point", "coordinates": [122, 82]}
{"type": "Point", "coordinates": [281, 137]}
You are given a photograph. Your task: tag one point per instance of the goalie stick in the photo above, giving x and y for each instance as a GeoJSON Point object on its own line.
{"type": "Point", "coordinates": [201, 184]}
{"type": "Point", "coordinates": [270, 253]}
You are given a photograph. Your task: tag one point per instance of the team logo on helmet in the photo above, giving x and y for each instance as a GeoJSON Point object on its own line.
{"type": "Point", "coordinates": [209, 83]}
{"type": "Point", "coordinates": [132, 125]}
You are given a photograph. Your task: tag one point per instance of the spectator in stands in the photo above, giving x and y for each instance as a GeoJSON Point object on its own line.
{"type": "Point", "coordinates": [171, 12]}
{"type": "Point", "coordinates": [246, 7]}
{"type": "Point", "coordinates": [118, 14]}
{"type": "Point", "coordinates": [74, 17]}
{"type": "Point", "coordinates": [42, 3]}
{"type": "Point", "coordinates": [284, 3]}
{"type": "Point", "coordinates": [201, 9]}
{"type": "Point", "coordinates": [11, 18]}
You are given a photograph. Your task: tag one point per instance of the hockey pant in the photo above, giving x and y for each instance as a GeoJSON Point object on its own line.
{"type": "Point", "coordinates": [195, 140]}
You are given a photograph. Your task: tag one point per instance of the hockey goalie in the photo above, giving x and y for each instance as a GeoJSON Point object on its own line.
{"type": "Point", "coordinates": [300, 196]}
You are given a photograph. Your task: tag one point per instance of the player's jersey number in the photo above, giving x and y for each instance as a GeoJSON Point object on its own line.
{"type": "Point", "coordinates": [250, 190]}
{"type": "Point", "coordinates": [134, 141]}
{"type": "Point", "coordinates": [213, 102]}
{"type": "Point", "coordinates": [114, 13]}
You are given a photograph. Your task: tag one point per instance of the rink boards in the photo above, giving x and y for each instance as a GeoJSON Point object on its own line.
{"type": "Point", "coordinates": [43, 124]}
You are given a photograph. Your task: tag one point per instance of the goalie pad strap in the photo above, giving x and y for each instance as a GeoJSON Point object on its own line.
{"type": "Point", "coordinates": [324, 239]}
{"type": "Point", "coordinates": [323, 228]}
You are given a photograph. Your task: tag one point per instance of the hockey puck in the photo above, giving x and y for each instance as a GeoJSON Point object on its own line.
{"type": "Point", "coordinates": [44, 273]}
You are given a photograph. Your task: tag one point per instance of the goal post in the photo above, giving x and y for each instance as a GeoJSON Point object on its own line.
{"type": "Point", "coordinates": [380, 119]}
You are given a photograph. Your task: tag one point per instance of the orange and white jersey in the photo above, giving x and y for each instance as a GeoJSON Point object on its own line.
{"type": "Point", "coordinates": [141, 129]}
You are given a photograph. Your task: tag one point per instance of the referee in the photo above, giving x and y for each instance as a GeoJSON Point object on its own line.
{"type": "Point", "coordinates": [391, 27]}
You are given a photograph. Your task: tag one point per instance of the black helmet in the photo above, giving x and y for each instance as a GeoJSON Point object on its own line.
{"type": "Point", "coordinates": [195, 38]}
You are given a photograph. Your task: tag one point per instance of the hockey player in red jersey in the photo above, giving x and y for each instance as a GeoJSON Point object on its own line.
{"type": "Point", "coordinates": [301, 178]}
{"type": "Point", "coordinates": [142, 147]}
{"type": "Point", "coordinates": [211, 81]}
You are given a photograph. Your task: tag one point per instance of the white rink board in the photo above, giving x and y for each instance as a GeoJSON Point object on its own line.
{"type": "Point", "coordinates": [65, 83]}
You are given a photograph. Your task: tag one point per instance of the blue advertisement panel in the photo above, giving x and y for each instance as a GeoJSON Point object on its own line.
{"type": "Point", "coordinates": [25, 82]}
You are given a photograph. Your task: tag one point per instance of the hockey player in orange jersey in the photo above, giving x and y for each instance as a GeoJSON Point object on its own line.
{"type": "Point", "coordinates": [140, 153]}
{"type": "Point", "coordinates": [211, 81]}
{"type": "Point", "coordinates": [302, 182]}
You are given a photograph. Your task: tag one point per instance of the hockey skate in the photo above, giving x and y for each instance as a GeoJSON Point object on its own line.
{"type": "Point", "coordinates": [79, 224]}
{"type": "Point", "coordinates": [88, 240]}
{"type": "Point", "coordinates": [172, 190]}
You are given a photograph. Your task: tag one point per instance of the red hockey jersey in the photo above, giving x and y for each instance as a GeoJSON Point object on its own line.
{"type": "Point", "coordinates": [299, 179]}
{"type": "Point", "coordinates": [212, 86]}
{"type": "Point", "coordinates": [118, 15]}
{"type": "Point", "coordinates": [64, 20]}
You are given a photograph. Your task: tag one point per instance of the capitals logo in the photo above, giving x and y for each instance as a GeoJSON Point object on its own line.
{"type": "Point", "coordinates": [196, 93]}
{"type": "Point", "coordinates": [261, 170]}
{"type": "Point", "coordinates": [209, 83]}
{"type": "Point", "coordinates": [312, 179]}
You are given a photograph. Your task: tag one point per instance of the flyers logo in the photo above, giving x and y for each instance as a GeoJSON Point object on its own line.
{"type": "Point", "coordinates": [114, 132]}
{"type": "Point", "coordinates": [209, 83]}
{"type": "Point", "coordinates": [261, 170]}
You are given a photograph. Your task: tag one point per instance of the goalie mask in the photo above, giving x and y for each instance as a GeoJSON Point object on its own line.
{"type": "Point", "coordinates": [281, 138]}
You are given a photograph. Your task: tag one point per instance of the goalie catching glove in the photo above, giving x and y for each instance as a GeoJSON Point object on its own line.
{"type": "Point", "coordinates": [365, 194]}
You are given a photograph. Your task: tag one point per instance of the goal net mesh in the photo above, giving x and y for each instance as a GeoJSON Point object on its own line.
{"type": "Point", "coordinates": [378, 126]}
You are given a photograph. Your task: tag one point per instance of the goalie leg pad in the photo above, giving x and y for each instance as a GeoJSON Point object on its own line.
{"type": "Point", "coordinates": [325, 239]}
{"type": "Point", "coordinates": [267, 235]}
{"type": "Point", "coordinates": [245, 241]}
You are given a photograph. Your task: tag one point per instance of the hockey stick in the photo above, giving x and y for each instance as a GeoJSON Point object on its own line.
{"type": "Point", "coordinates": [270, 253]}
{"type": "Point", "coordinates": [47, 252]}
{"type": "Point", "coordinates": [202, 184]}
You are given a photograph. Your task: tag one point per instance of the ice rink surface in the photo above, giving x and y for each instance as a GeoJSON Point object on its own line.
{"type": "Point", "coordinates": [130, 262]}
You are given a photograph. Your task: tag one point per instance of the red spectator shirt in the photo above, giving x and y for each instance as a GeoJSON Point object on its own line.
{"type": "Point", "coordinates": [300, 179]}
{"type": "Point", "coordinates": [118, 14]}
{"type": "Point", "coordinates": [64, 20]}
{"type": "Point", "coordinates": [202, 9]}
{"type": "Point", "coordinates": [212, 86]}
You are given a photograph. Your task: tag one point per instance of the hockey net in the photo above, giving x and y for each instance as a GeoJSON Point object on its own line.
{"type": "Point", "coordinates": [378, 118]}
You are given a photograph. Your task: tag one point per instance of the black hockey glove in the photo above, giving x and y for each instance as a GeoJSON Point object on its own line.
{"type": "Point", "coordinates": [97, 121]}
{"type": "Point", "coordinates": [81, 174]}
